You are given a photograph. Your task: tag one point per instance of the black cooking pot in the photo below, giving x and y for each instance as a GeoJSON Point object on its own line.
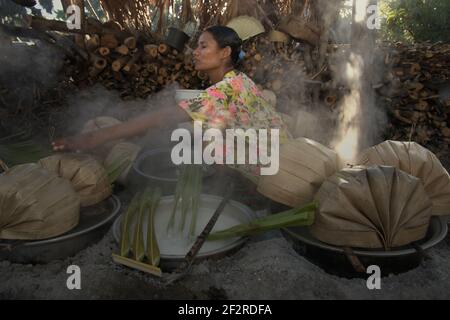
{"type": "Point", "coordinates": [177, 39]}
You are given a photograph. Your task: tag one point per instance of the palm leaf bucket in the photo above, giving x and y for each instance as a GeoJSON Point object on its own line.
{"type": "Point", "coordinates": [87, 175]}
{"type": "Point", "coordinates": [376, 207]}
{"type": "Point", "coordinates": [36, 204]}
{"type": "Point", "coordinates": [122, 153]}
{"type": "Point", "coordinates": [417, 161]}
{"type": "Point", "coordinates": [304, 166]}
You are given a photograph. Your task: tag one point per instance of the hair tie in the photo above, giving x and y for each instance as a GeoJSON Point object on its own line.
{"type": "Point", "coordinates": [241, 55]}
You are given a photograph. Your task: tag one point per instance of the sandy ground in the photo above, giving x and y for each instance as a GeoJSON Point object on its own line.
{"type": "Point", "coordinates": [265, 268]}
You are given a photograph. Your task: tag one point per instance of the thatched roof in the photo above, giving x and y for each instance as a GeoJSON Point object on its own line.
{"type": "Point", "coordinates": [158, 14]}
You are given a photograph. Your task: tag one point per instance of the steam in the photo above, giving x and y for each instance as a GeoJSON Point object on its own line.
{"type": "Point", "coordinates": [349, 130]}
{"type": "Point", "coordinates": [361, 121]}
{"type": "Point", "coordinates": [28, 69]}
{"type": "Point", "coordinates": [96, 101]}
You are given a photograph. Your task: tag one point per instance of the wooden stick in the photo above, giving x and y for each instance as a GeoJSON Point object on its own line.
{"type": "Point", "coordinates": [183, 269]}
{"type": "Point", "coordinates": [92, 10]}
{"type": "Point", "coordinates": [137, 265]}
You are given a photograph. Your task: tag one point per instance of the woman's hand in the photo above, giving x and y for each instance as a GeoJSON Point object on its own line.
{"type": "Point", "coordinates": [80, 142]}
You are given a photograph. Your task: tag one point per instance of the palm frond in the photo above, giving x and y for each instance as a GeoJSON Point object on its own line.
{"type": "Point", "coordinates": [19, 148]}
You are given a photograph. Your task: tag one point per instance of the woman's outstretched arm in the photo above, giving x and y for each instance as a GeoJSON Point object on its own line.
{"type": "Point", "coordinates": [128, 129]}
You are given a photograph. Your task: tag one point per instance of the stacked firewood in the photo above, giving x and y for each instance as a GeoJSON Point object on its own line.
{"type": "Point", "coordinates": [415, 93]}
{"type": "Point", "coordinates": [138, 68]}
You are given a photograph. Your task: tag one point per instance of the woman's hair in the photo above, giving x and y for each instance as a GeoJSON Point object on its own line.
{"type": "Point", "coordinates": [227, 37]}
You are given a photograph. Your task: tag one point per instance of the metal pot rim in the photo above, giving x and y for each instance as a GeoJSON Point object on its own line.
{"type": "Point", "coordinates": [438, 228]}
{"type": "Point", "coordinates": [238, 242]}
{"type": "Point", "coordinates": [146, 154]}
{"type": "Point", "coordinates": [116, 209]}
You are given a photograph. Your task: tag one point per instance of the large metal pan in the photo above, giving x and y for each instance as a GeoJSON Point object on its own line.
{"type": "Point", "coordinates": [234, 213]}
{"type": "Point", "coordinates": [94, 222]}
{"type": "Point", "coordinates": [334, 260]}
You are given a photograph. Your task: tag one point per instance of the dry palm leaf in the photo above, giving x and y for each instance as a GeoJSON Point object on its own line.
{"type": "Point", "coordinates": [123, 153]}
{"type": "Point", "coordinates": [417, 161]}
{"type": "Point", "coordinates": [86, 174]}
{"type": "Point", "coordinates": [304, 166]}
{"type": "Point", "coordinates": [36, 204]}
{"type": "Point", "coordinates": [375, 207]}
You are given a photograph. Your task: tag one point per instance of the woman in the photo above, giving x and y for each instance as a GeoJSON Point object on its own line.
{"type": "Point", "coordinates": [232, 100]}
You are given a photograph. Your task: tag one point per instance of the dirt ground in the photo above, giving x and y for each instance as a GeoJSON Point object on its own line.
{"type": "Point", "coordinates": [267, 267]}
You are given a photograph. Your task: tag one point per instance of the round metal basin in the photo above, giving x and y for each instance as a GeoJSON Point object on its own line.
{"type": "Point", "coordinates": [333, 260]}
{"type": "Point", "coordinates": [95, 222]}
{"type": "Point", "coordinates": [175, 245]}
{"type": "Point", "coordinates": [155, 168]}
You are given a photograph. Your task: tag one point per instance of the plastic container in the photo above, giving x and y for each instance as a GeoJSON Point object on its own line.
{"type": "Point", "coordinates": [185, 94]}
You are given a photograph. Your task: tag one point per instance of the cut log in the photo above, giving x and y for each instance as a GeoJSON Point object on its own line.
{"type": "Point", "coordinates": [92, 42]}
{"type": "Point", "coordinates": [128, 67]}
{"type": "Point", "coordinates": [130, 42]}
{"type": "Point", "coordinates": [109, 41]}
{"type": "Point", "coordinates": [163, 49]}
{"type": "Point", "coordinates": [151, 50]}
{"type": "Point", "coordinates": [104, 51]}
{"type": "Point", "coordinates": [152, 68]}
{"type": "Point", "coordinates": [118, 64]}
{"type": "Point", "coordinates": [122, 50]}
{"type": "Point", "coordinates": [422, 105]}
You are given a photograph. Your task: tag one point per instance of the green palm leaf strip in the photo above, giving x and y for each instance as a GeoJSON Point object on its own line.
{"type": "Point", "coordinates": [153, 253]}
{"type": "Point", "coordinates": [117, 167]}
{"type": "Point", "coordinates": [129, 217]}
{"type": "Point", "coordinates": [297, 217]}
{"type": "Point", "coordinates": [138, 243]}
{"type": "Point", "coordinates": [195, 198]}
{"type": "Point", "coordinates": [19, 149]}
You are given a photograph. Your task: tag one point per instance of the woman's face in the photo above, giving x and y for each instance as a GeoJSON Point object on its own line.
{"type": "Point", "coordinates": [209, 55]}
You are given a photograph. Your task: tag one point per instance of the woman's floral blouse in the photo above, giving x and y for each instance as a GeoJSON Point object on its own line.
{"type": "Point", "coordinates": [235, 103]}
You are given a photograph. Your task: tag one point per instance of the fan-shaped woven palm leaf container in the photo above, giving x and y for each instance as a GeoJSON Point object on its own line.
{"type": "Point", "coordinates": [417, 161]}
{"type": "Point", "coordinates": [101, 123]}
{"type": "Point", "coordinates": [375, 207]}
{"type": "Point", "coordinates": [246, 27]}
{"type": "Point", "coordinates": [304, 165]}
{"type": "Point", "coordinates": [36, 204]}
{"type": "Point", "coordinates": [86, 174]}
